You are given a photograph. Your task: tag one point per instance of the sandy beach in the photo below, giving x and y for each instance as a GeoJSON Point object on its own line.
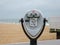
{"type": "Point", "coordinates": [13, 33]}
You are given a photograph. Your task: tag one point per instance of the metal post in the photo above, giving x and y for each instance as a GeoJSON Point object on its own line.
{"type": "Point", "coordinates": [33, 42]}
{"type": "Point", "coordinates": [58, 35]}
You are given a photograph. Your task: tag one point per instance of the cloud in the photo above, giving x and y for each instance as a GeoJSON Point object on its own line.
{"type": "Point", "coordinates": [18, 8]}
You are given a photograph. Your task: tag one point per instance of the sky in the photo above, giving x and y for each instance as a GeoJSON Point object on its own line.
{"type": "Point", "coordinates": [16, 9]}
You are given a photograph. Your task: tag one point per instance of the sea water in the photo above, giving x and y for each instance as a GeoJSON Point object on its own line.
{"type": "Point", "coordinates": [9, 20]}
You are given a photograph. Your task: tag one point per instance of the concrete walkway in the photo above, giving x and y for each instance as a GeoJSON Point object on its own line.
{"type": "Point", "coordinates": [47, 42]}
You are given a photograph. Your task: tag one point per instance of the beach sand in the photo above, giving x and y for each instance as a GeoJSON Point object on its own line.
{"type": "Point", "coordinates": [13, 33]}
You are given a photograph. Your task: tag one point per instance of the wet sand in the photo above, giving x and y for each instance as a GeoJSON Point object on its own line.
{"type": "Point", "coordinates": [13, 33]}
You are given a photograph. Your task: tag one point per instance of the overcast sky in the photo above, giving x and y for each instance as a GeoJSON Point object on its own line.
{"type": "Point", "coordinates": [16, 9]}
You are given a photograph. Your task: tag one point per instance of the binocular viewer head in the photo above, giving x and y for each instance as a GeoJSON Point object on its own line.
{"type": "Point", "coordinates": [33, 24]}
{"type": "Point", "coordinates": [33, 14]}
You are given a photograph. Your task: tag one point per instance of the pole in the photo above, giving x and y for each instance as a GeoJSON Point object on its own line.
{"type": "Point", "coordinates": [58, 35]}
{"type": "Point", "coordinates": [33, 42]}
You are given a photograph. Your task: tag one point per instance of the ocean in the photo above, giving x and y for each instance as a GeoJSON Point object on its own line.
{"type": "Point", "coordinates": [9, 20]}
{"type": "Point", "coordinates": [12, 21]}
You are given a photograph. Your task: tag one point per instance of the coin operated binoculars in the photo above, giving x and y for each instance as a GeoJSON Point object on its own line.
{"type": "Point", "coordinates": [33, 25]}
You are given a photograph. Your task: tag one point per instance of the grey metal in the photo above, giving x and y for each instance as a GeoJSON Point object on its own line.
{"type": "Point", "coordinates": [33, 23]}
